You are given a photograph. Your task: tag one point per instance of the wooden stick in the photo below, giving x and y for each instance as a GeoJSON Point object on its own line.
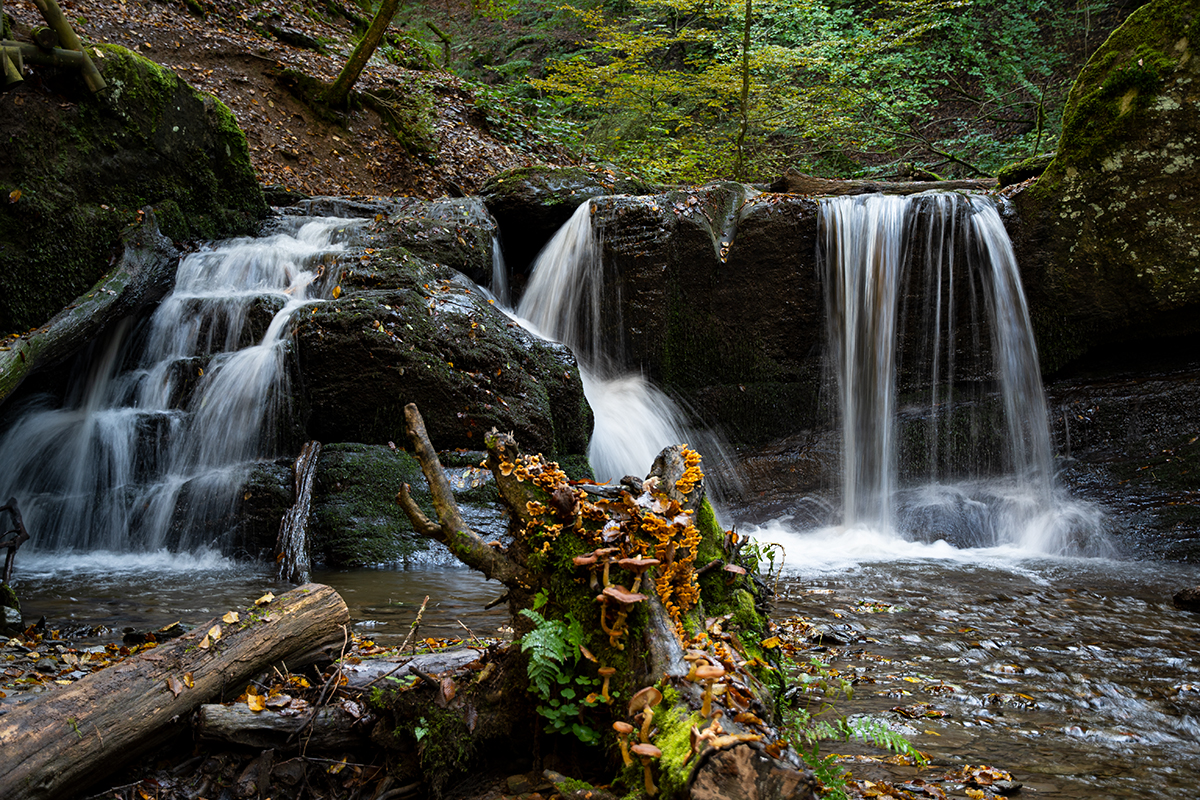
{"type": "Point", "coordinates": [58, 22]}
{"type": "Point", "coordinates": [21, 536]}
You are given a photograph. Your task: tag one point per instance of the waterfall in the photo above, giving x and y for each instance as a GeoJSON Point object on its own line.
{"type": "Point", "coordinates": [499, 286]}
{"type": "Point", "coordinates": [151, 451]}
{"type": "Point", "coordinates": [565, 301]}
{"type": "Point", "coordinates": [904, 280]}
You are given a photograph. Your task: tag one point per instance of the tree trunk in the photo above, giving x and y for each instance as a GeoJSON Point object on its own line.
{"type": "Point", "coordinates": [798, 183]}
{"type": "Point", "coordinates": [60, 743]}
{"type": "Point", "coordinates": [337, 94]}
{"type": "Point", "coordinates": [697, 636]}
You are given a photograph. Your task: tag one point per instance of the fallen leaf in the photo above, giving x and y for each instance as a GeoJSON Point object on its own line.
{"type": "Point", "coordinates": [264, 600]}
{"type": "Point", "coordinates": [214, 633]}
{"type": "Point", "coordinates": [230, 617]}
{"type": "Point", "coordinates": [14, 195]}
{"type": "Point", "coordinates": [256, 702]}
{"type": "Point", "coordinates": [175, 685]}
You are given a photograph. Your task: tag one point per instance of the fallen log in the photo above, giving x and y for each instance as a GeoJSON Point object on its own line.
{"type": "Point", "coordinates": [794, 182]}
{"type": "Point", "coordinates": [335, 727]}
{"type": "Point", "coordinates": [59, 744]}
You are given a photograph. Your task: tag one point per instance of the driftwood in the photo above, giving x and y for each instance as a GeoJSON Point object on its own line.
{"type": "Point", "coordinates": [60, 743]}
{"type": "Point", "coordinates": [334, 727]}
{"type": "Point", "coordinates": [291, 550]}
{"type": "Point", "coordinates": [794, 182]}
{"type": "Point", "coordinates": [542, 506]}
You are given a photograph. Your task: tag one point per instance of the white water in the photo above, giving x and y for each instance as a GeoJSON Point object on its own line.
{"type": "Point", "coordinates": [869, 269]}
{"type": "Point", "coordinates": [149, 454]}
{"type": "Point", "coordinates": [565, 302]}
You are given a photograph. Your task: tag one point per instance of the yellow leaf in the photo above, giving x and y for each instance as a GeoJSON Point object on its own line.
{"type": "Point", "coordinates": [230, 617]}
{"type": "Point", "coordinates": [773, 642]}
{"type": "Point", "coordinates": [264, 600]}
{"type": "Point", "coordinates": [214, 632]}
{"type": "Point", "coordinates": [256, 702]}
{"type": "Point", "coordinates": [975, 794]}
{"type": "Point", "coordinates": [334, 769]}
{"type": "Point", "coordinates": [205, 643]}
{"type": "Point", "coordinates": [337, 292]}
{"type": "Point", "coordinates": [14, 195]}
{"type": "Point", "coordinates": [188, 680]}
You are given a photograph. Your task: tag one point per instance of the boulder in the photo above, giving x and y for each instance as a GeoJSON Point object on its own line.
{"type": "Point", "coordinates": [1188, 599]}
{"type": "Point", "coordinates": [1111, 235]}
{"type": "Point", "coordinates": [77, 168]}
{"type": "Point", "coordinates": [531, 203]}
{"type": "Point", "coordinates": [404, 329]}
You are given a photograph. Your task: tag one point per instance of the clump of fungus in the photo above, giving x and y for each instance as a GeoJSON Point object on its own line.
{"type": "Point", "coordinates": [647, 753]}
{"type": "Point", "coordinates": [624, 600]}
{"type": "Point", "coordinates": [623, 730]}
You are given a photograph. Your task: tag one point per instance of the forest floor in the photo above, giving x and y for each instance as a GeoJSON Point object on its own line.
{"type": "Point", "coordinates": [231, 53]}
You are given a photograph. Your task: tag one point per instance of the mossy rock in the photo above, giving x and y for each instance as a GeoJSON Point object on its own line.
{"type": "Point", "coordinates": [355, 521]}
{"type": "Point", "coordinates": [1024, 170]}
{"type": "Point", "coordinates": [84, 164]}
{"type": "Point", "coordinates": [11, 622]}
{"type": "Point", "coordinates": [1110, 238]}
{"type": "Point", "coordinates": [405, 330]}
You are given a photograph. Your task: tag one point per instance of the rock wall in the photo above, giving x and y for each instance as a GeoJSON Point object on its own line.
{"type": "Point", "coordinates": [1110, 239]}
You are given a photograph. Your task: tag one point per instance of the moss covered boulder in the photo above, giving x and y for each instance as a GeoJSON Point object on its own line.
{"type": "Point", "coordinates": [75, 168]}
{"type": "Point", "coordinates": [1111, 237]}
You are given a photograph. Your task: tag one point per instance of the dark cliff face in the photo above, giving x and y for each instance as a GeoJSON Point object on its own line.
{"type": "Point", "coordinates": [75, 168]}
{"type": "Point", "coordinates": [1110, 234]}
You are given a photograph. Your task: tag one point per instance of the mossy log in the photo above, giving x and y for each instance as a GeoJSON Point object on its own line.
{"type": "Point", "coordinates": [142, 276]}
{"type": "Point", "coordinates": [672, 660]}
{"type": "Point", "coordinates": [793, 182]}
{"type": "Point", "coordinates": [58, 744]}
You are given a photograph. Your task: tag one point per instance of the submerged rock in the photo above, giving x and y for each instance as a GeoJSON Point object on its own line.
{"type": "Point", "coordinates": [1111, 234]}
{"type": "Point", "coordinates": [1188, 599]}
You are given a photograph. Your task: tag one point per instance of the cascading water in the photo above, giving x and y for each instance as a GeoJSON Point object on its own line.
{"type": "Point", "coordinates": [914, 286]}
{"type": "Point", "coordinates": [565, 301]}
{"type": "Point", "coordinates": [153, 455]}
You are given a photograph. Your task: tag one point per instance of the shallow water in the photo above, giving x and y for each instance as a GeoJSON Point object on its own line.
{"type": "Point", "coordinates": [1077, 675]}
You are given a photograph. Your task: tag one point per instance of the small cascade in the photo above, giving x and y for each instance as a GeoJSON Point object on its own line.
{"type": "Point", "coordinates": [292, 549]}
{"type": "Point", "coordinates": [499, 286]}
{"type": "Point", "coordinates": [151, 450]}
{"type": "Point", "coordinates": [944, 426]}
{"type": "Point", "coordinates": [565, 301]}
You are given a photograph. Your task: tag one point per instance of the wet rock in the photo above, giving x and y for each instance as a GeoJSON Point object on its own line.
{"type": "Point", "coordinates": [10, 607]}
{"type": "Point", "coordinates": [423, 334]}
{"type": "Point", "coordinates": [531, 203]}
{"type": "Point", "coordinates": [355, 521]}
{"type": "Point", "coordinates": [744, 773]}
{"type": "Point", "coordinates": [46, 666]}
{"type": "Point", "coordinates": [1188, 599]}
{"type": "Point", "coordinates": [1111, 231]}
{"type": "Point", "coordinates": [448, 232]}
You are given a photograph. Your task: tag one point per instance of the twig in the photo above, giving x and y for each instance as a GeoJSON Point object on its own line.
{"type": "Point", "coordinates": [423, 675]}
{"type": "Point", "coordinates": [470, 632]}
{"type": "Point", "coordinates": [416, 624]}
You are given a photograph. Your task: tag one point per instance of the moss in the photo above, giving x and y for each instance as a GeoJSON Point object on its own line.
{"type": "Point", "coordinates": [447, 748]}
{"type": "Point", "coordinates": [674, 740]}
{"type": "Point", "coordinates": [355, 520]}
{"type": "Point", "coordinates": [85, 167]}
{"type": "Point", "coordinates": [1024, 169]}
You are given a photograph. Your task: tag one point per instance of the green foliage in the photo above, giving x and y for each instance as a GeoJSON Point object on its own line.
{"type": "Point", "coordinates": [553, 649]}
{"type": "Point", "coordinates": [953, 85]}
{"type": "Point", "coordinates": [809, 720]}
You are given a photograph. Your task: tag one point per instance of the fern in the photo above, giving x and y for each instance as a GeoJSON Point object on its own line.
{"type": "Point", "coordinates": [552, 646]}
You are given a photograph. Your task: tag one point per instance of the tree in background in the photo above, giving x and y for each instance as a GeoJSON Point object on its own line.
{"type": "Point", "coordinates": [686, 90]}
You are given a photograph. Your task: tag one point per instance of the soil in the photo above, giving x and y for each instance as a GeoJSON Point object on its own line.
{"type": "Point", "coordinates": [227, 50]}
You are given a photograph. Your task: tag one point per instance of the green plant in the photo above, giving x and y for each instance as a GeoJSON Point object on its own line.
{"type": "Point", "coordinates": [553, 648]}
{"type": "Point", "coordinates": [808, 721]}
